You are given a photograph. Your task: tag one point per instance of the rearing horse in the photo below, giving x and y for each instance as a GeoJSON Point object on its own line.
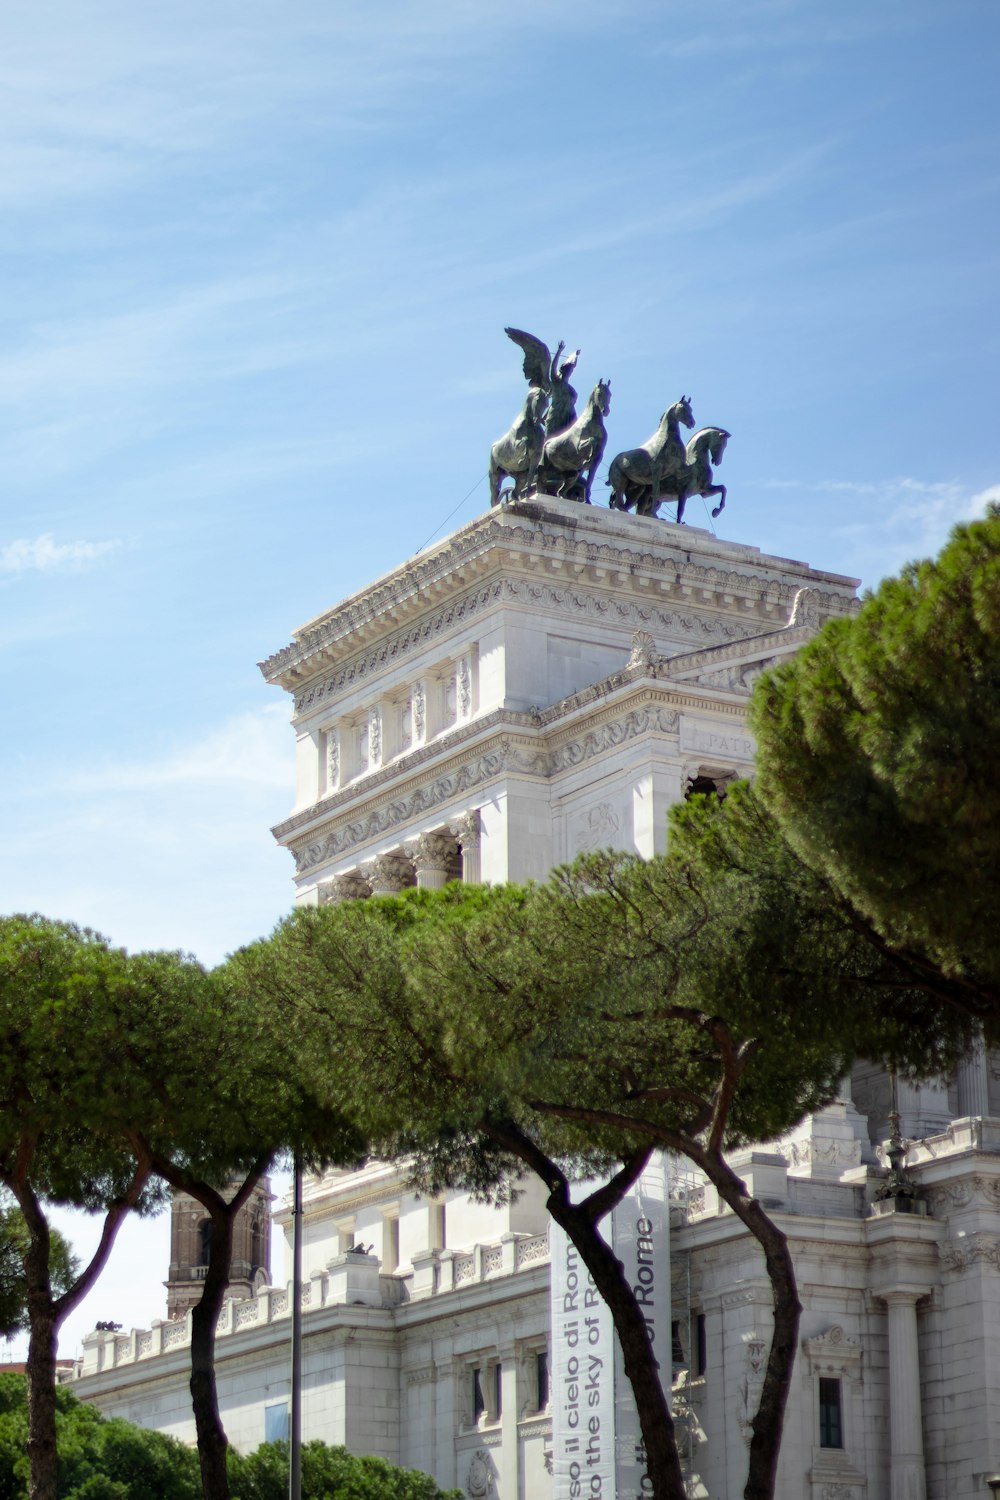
{"type": "Point", "coordinates": [705, 448]}
{"type": "Point", "coordinates": [641, 475]}
{"type": "Point", "coordinates": [566, 455]}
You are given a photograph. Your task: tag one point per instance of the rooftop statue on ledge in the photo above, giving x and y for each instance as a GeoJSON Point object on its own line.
{"type": "Point", "coordinates": [692, 477]}
{"type": "Point", "coordinates": [641, 476]}
{"type": "Point", "coordinates": [550, 373]}
{"type": "Point", "coordinates": [570, 455]}
{"type": "Point", "coordinates": [515, 455]}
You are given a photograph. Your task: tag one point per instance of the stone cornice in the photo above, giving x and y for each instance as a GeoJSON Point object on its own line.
{"type": "Point", "coordinates": [450, 754]}
{"type": "Point", "coordinates": [330, 829]}
{"type": "Point", "coordinates": [615, 553]}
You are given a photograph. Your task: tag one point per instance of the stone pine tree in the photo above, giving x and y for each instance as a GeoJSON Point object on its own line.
{"type": "Point", "coordinates": [572, 1028]}
{"type": "Point", "coordinates": [15, 1242]}
{"type": "Point", "coordinates": [877, 756]}
{"type": "Point", "coordinates": [210, 1095]}
{"type": "Point", "coordinates": [56, 982]}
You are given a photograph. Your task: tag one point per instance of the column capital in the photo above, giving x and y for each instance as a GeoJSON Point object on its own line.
{"type": "Point", "coordinates": [350, 886]}
{"type": "Point", "coordinates": [468, 829]}
{"type": "Point", "coordinates": [433, 851]}
{"type": "Point", "coordinates": [907, 1293]}
{"type": "Point", "coordinates": [389, 873]}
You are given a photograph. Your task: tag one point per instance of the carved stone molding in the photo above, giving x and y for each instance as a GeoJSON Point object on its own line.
{"type": "Point", "coordinates": [509, 756]}
{"type": "Point", "coordinates": [749, 1296]}
{"type": "Point", "coordinates": [829, 1153]}
{"type": "Point", "coordinates": [643, 650]}
{"type": "Point", "coordinates": [972, 1249]}
{"type": "Point", "coordinates": [390, 873]}
{"type": "Point", "coordinates": [688, 626]}
{"type": "Point", "coordinates": [533, 537]}
{"type": "Point", "coordinates": [834, 1352]}
{"type": "Point", "coordinates": [468, 829]}
{"type": "Point", "coordinates": [435, 851]}
{"type": "Point", "coordinates": [351, 886]}
{"type": "Point", "coordinates": [953, 1195]}
{"type": "Point", "coordinates": [426, 1376]}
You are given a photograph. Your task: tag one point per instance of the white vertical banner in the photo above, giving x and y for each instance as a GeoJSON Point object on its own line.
{"type": "Point", "coordinates": [641, 1241]}
{"type": "Point", "coordinates": [597, 1448]}
{"type": "Point", "coordinates": [583, 1397]}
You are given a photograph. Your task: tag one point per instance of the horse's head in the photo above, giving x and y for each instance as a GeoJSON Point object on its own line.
{"type": "Point", "coordinates": [682, 411]}
{"type": "Point", "coordinates": [600, 397]}
{"type": "Point", "coordinates": [717, 443]}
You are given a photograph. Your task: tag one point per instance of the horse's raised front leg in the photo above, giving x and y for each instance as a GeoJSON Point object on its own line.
{"type": "Point", "coordinates": [496, 479]}
{"type": "Point", "coordinates": [717, 489]}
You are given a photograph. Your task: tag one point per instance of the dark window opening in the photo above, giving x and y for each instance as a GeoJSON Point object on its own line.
{"type": "Point", "coordinates": [256, 1243]}
{"type": "Point", "coordinates": [701, 1345]}
{"type": "Point", "coordinates": [706, 786]}
{"type": "Point", "coordinates": [677, 1358]}
{"type": "Point", "coordinates": [831, 1434]}
{"type": "Point", "coordinates": [542, 1379]}
{"type": "Point", "coordinates": [498, 1390]}
{"type": "Point", "coordinates": [478, 1403]}
{"type": "Point", "coordinates": [204, 1241]}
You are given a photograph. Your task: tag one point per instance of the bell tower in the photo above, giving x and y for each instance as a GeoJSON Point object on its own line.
{"type": "Point", "coordinates": [191, 1240]}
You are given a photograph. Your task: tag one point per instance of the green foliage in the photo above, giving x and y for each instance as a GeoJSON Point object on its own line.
{"type": "Point", "coordinates": [877, 749]}
{"type": "Point", "coordinates": [63, 1270]}
{"type": "Point", "coordinates": [99, 1459]}
{"type": "Point", "coordinates": [328, 1474]}
{"type": "Point", "coordinates": [108, 1459]}
{"type": "Point", "coordinates": [58, 1062]}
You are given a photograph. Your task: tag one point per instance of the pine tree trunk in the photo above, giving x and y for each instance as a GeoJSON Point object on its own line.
{"type": "Point", "coordinates": [641, 1366]}
{"type": "Point", "coordinates": [41, 1381]}
{"type": "Point", "coordinates": [768, 1423]}
{"type": "Point", "coordinates": [212, 1440]}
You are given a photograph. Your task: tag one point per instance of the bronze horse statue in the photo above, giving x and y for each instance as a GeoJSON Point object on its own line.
{"type": "Point", "coordinates": [515, 455]}
{"type": "Point", "coordinates": [704, 449]}
{"type": "Point", "coordinates": [640, 476]}
{"type": "Point", "coordinates": [567, 456]}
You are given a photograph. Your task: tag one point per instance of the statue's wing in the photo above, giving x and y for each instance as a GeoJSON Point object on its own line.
{"type": "Point", "coordinates": [568, 365]}
{"type": "Point", "coordinates": [537, 359]}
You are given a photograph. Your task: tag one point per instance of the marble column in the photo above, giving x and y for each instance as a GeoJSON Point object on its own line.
{"type": "Point", "coordinates": [390, 873]}
{"type": "Point", "coordinates": [509, 1451]}
{"type": "Point", "coordinates": [907, 1480]}
{"type": "Point", "coordinates": [973, 1083]}
{"type": "Point", "coordinates": [433, 856]}
{"type": "Point", "coordinates": [469, 832]}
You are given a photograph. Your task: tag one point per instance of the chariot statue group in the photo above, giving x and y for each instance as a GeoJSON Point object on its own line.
{"type": "Point", "coordinates": [550, 450]}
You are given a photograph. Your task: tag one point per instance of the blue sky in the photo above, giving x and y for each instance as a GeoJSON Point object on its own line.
{"type": "Point", "coordinates": [258, 262]}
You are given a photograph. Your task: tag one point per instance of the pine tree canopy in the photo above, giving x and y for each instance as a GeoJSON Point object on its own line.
{"type": "Point", "coordinates": [877, 750]}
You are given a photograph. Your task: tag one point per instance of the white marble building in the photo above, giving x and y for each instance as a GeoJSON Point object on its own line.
{"type": "Point", "coordinates": [547, 680]}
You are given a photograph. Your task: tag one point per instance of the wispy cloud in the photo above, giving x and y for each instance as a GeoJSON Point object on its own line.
{"type": "Point", "coordinates": [897, 520]}
{"type": "Point", "coordinates": [43, 554]}
{"type": "Point", "coordinates": [252, 749]}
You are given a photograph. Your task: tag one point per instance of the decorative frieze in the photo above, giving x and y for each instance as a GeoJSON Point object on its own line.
{"type": "Point", "coordinates": [970, 1250]}
{"type": "Point", "coordinates": [575, 602]}
{"type": "Point", "coordinates": [509, 756]}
